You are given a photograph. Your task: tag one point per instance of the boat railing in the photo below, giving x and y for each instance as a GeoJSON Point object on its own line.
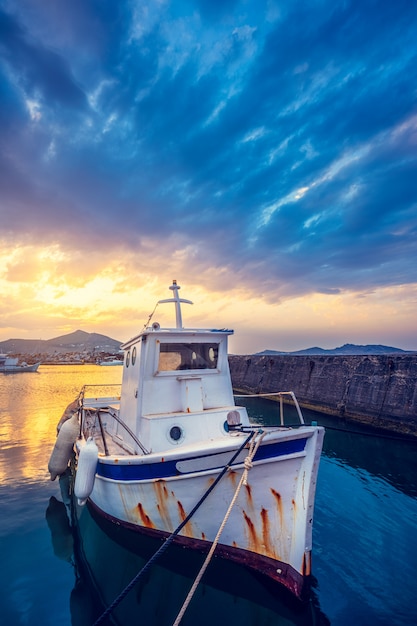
{"type": "Point", "coordinates": [108, 404]}
{"type": "Point", "coordinates": [282, 397]}
{"type": "Point", "coordinates": [99, 395]}
{"type": "Point", "coordinates": [130, 432]}
{"type": "Point", "coordinates": [96, 403]}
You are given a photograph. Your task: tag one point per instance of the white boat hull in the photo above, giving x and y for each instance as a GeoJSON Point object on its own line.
{"type": "Point", "coordinates": [269, 528]}
{"type": "Point", "coordinates": [15, 369]}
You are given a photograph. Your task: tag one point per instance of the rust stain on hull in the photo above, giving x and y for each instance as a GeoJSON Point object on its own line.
{"type": "Point", "coordinates": [259, 535]}
{"type": "Point", "coordinates": [306, 566]}
{"type": "Point", "coordinates": [254, 543]}
{"type": "Point", "coordinates": [232, 475]}
{"type": "Point", "coordinates": [162, 496]}
{"type": "Point", "coordinates": [266, 534]}
{"type": "Point", "coordinates": [188, 528]}
{"type": "Point", "coordinates": [249, 495]}
{"type": "Point", "coordinates": [278, 500]}
{"type": "Point", "coordinates": [282, 525]}
{"type": "Point", "coordinates": [144, 517]}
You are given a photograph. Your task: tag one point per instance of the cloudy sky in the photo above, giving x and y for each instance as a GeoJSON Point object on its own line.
{"type": "Point", "coordinates": [262, 153]}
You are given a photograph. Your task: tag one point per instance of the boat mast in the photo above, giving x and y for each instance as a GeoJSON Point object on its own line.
{"type": "Point", "coordinates": [177, 301]}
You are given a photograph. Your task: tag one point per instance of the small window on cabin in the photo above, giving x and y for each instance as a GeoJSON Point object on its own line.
{"type": "Point", "coordinates": [187, 356]}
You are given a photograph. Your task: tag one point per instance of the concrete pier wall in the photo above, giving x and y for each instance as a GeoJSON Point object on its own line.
{"type": "Point", "coordinates": [378, 390]}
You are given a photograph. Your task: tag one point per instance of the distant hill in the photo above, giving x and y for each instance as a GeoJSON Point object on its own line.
{"type": "Point", "coordinates": [347, 348]}
{"type": "Point", "coordinates": [81, 341]}
{"type": "Point", "coordinates": [78, 341]}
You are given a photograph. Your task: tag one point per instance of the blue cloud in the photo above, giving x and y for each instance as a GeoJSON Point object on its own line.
{"type": "Point", "coordinates": [280, 139]}
{"type": "Point", "coordinates": [40, 72]}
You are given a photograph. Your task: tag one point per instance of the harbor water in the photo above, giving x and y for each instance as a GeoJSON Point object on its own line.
{"type": "Point", "coordinates": [365, 532]}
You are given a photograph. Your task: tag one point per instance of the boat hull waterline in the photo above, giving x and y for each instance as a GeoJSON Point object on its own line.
{"type": "Point", "coordinates": [269, 528]}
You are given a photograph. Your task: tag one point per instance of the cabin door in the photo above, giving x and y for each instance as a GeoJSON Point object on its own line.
{"type": "Point", "coordinates": [191, 394]}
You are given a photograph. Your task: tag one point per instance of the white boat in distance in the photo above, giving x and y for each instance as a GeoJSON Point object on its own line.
{"type": "Point", "coordinates": [9, 365]}
{"type": "Point", "coordinates": [175, 451]}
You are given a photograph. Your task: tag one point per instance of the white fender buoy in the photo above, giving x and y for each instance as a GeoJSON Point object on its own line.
{"type": "Point", "coordinates": [64, 444]}
{"type": "Point", "coordinates": [86, 471]}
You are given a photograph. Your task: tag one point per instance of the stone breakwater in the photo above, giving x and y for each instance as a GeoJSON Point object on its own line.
{"type": "Point", "coordinates": [377, 390]}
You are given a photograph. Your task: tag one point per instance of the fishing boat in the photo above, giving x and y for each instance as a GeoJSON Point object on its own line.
{"type": "Point", "coordinates": [173, 455]}
{"type": "Point", "coordinates": [9, 365]}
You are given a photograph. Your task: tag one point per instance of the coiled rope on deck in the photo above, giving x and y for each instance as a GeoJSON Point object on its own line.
{"type": "Point", "coordinates": [243, 481]}
{"type": "Point", "coordinates": [171, 537]}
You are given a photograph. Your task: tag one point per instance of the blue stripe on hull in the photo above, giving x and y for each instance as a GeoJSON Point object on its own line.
{"type": "Point", "coordinates": [168, 469]}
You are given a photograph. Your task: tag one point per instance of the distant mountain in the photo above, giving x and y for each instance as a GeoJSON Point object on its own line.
{"type": "Point", "coordinates": [78, 341]}
{"type": "Point", "coordinates": [347, 348]}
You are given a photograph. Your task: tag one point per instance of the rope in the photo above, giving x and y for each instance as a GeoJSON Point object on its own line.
{"type": "Point", "coordinates": [150, 316]}
{"type": "Point", "coordinates": [243, 481]}
{"type": "Point", "coordinates": [170, 539]}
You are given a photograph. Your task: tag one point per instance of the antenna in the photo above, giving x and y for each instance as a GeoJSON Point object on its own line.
{"type": "Point", "coordinates": [177, 301]}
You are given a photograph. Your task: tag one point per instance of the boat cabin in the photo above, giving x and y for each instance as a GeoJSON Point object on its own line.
{"type": "Point", "coordinates": [172, 377]}
{"type": "Point", "coordinates": [176, 386]}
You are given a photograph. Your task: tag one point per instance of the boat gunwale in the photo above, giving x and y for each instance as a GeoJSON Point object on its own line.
{"type": "Point", "coordinates": [205, 472]}
{"type": "Point", "coordinates": [217, 446]}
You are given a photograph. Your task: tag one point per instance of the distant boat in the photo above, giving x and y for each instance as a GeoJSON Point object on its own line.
{"type": "Point", "coordinates": [111, 362]}
{"type": "Point", "coordinates": [9, 365]}
{"type": "Point", "coordinates": [174, 456]}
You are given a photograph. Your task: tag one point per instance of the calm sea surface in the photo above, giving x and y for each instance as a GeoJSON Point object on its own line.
{"type": "Point", "coordinates": [365, 532]}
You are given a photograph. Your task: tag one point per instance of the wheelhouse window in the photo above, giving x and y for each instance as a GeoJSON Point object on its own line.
{"type": "Point", "coordinates": [187, 356]}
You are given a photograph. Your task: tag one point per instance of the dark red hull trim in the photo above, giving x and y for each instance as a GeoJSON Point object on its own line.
{"type": "Point", "coordinates": [269, 569]}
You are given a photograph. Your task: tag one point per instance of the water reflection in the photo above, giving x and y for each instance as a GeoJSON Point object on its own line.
{"type": "Point", "coordinates": [61, 531]}
{"type": "Point", "coordinates": [30, 408]}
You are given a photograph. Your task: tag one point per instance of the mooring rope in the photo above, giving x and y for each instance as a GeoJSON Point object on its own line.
{"type": "Point", "coordinates": [243, 481]}
{"type": "Point", "coordinates": [171, 537]}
